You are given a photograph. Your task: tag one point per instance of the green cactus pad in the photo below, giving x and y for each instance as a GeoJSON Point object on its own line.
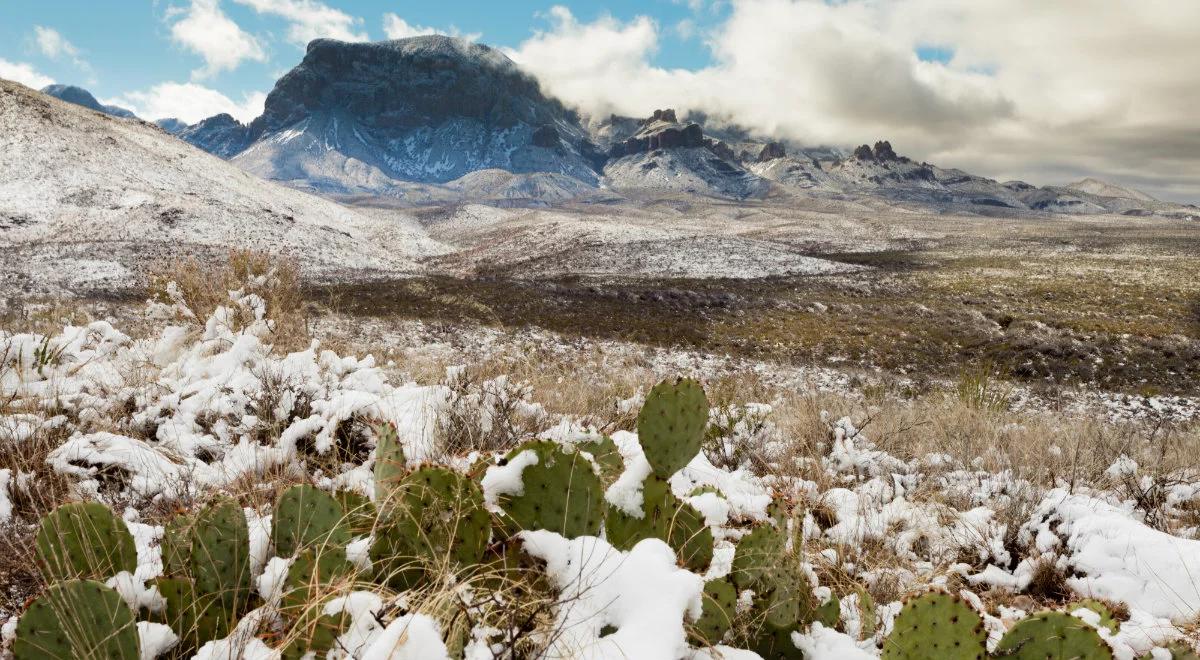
{"type": "Point", "coordinates": [220, 560]}
{"type": "Point", "coordinates": [84, 540]}
{"type": "Point", "coordinates": [1107, 620]}
{"type": "Point", "coordinates": [561, 493]}
{"type": "Point", "coordinates": [437, 519]}
{"type": "Point", "coordinates": [866, 612]}
{"type": "Point", "coordinates": [716, 617]}
{"type": "Point", "coordinates": [775, 643]}
{"type": "Point", "coordinates": [1052, 635]}
{"type": "Point", "coordinates": [663, 517]}
{"type": "Point", "coordinates": [77, 620]}
{"type": "Point", "coordinates": [756, 553]}
{"type": "Point", "coordinates": [196, 619]}
{"type": "Point", "coordinates": [315, 635]}
{"type": "Point", "coordinates": [176, 545]}
{"type": "Point", "coordinates": [607, 456]}
{"type": "Point", "coordinates": [312, 575]}
{"type": "Point", "coordinates": [787, 597]}
{"type": "Point", "coordinates": [390, 462]}
{"type": "Point", "coordinates": [360, 512]}
{"type": "Point", "coordinates": [936, 625]}
{"type": "Point", "coordinates": [307, 517]}
{"type": "Point", "coordinates": [829, 613]}
{"type": "Point", "coordinates": [671, 425]}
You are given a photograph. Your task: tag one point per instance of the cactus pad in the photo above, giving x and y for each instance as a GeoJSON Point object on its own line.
{"type": "Point", "coordinates": [312, 575]}
{"type": "Point", "coordinates": [84, 540]}
{"type": "Point", "coordinates": [1107, 620]}
{"type": "Point", "coordinates": [220, 560]}
{"type": "Point", "coordinates": [936, 625]}
{"type": "Point", "coordinates": [663, 517]}
{"type": "Point", "coordinates": [390, 462]}
{"type": "Point", "coordinates": [77, 620]}
{"type": "Point", "coordinates": [671, 425]}
{"type": "Point", "coordinates": [176, 545]}
{"type": "Point", "coordinates": [1052, 635]}
{"type": "Point", "coordinates": [716, 617]}
{"type": "Point", "coordinates": [756, 553]}
{"type": "Point", "coordinates": [607, 456]}
{"type": "Point", "coordinates": [306, 517]}
{"type": "Point", "coordinates": [438, 518]}
{"type": "Point", "coordinates": [561, 493]}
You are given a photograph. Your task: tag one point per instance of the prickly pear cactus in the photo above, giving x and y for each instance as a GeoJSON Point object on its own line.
{"type": "Point", "coordinates": [663, 517]}
{"type": "Point", "coordinates": [671, 425]}
{"type": "Point", "coordinates": [561, 493]}
{"type": "Point", "coordinates": [774, 642]}
{"type": "Point", "coordinates": [936, 625]}
{"type": "Point", "coordinates": [716, 617]}
{"type": "Point", "coordinates": [756, 553]}
{"type": "Point", "coordinates": [607, 456]}
{"type": "Point", "coordinates": [220, 559]}
{"type": "Point", "coordinates": [1052, 635]}
{"type": "Point", "coordinates": [437, 519]}
{"type": "Point", "coordinates": [1107, 619]}
{"type": "Point", "coordinates": [176, 545]}
{"type": "Point", "coordinates": [305, 517]}
{"type": "Point", "coordinates": [77, 620]}
{"type": "Point", "coordinates": [314, 635]}
{"type": "Point", "coordinates": [312, 575]}
{"type": "Point", "coordinates": [390, 462]}
{"type": "Point", "coordinates": [361, 512]}
{"type": "Point", "coordinates": [84, 540]}
{"type": "Point", "coordinates": [787, 597]}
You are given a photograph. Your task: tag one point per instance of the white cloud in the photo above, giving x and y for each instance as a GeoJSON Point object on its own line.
{"type": "Point", "coordinates": [308, 20]}
{"type": "Point", "coordinates": [398, 28]}
{"type": "Point", "coordinates": [205, 30]}
{"type": "Point", "coordinates": [1033, 89]}
{"type": "Point", "coordinates": [24, 74]}
{"type": "Point", "coordinates": [189, 102]}
{"type": "Point", "coordinates": [53, 44]}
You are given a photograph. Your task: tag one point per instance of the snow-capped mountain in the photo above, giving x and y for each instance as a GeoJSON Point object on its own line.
{"type": "Point", "coordinates": [356, 117]}
{"type": "Point", "coordinates": [80, 96]}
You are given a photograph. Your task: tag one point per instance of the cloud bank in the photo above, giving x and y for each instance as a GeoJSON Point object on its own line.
{"type": "Point", "coordinates": [1044, 91]}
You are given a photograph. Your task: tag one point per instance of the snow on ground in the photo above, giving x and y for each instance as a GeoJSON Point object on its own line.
{"type": "Point", "coordinates": [193, 410]}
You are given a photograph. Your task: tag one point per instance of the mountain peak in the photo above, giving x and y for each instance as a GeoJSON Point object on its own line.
{"type": "Point", "coordinates": [82, 97]}
{"type": "Point", "coordinates": [1094, 186]}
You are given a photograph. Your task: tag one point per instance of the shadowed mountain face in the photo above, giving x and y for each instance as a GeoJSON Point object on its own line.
{"type": "Point", "coordinates": [353, 117]}
{"type": "Point", "coordinates": [80, 96]}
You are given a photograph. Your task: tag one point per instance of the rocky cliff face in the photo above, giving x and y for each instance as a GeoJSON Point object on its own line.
{"type": "Point", "coordinates": [80, 96]}
{"type": "Point", "coordinates": [221, 135]}
{"type": "Point", "coordinates": [352, 116]}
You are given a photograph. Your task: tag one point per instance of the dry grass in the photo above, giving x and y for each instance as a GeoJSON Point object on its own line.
{"type": "Point", "coordinates": [203, 286]}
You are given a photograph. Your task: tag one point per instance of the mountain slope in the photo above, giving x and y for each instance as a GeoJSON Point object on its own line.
{"type": "Point", "coordinates": [353, 117]}
{"type": "Point", "coordinates": [85, 200]}
{"type": "Point", "coordinates": [80, 96]}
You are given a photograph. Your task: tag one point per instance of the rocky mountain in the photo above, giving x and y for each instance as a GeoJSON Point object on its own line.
{"type": "Point", "coordinates": [358, 117]}
{"type": "Point", "coordinates": [172, 125]}
{"type": "Point", "coordinates": [80, 96]}
{"type": "Point", "coordinates": [85, 201]}
{"type": "Point", "coordinates": [662, 153]}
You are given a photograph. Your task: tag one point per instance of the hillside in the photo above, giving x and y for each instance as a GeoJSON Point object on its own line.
{"type": "Point", "coordinates": [86, 199]}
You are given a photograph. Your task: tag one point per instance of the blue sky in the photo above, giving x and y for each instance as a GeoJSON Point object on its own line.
{"type": "Point", "coordinates": [128, 45]}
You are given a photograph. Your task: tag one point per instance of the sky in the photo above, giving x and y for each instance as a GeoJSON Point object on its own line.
{"type": "Point", "coordinates": [1046, 92]}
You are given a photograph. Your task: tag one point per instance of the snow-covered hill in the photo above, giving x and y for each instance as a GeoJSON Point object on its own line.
{"type": "Point", "coordinates": [85, 199]}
